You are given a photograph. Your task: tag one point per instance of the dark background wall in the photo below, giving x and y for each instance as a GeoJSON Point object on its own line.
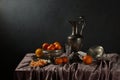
{"type": "Point", "coordinates": [26, 24]}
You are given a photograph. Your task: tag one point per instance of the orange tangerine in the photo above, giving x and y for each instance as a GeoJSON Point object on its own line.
{"type": "Point", "coordinates": [51, 47]}
{"type": "Point", "coordinates": [58, 61]}
{"type": "Point", "coordinates": [45, 45]}
{"type": "Point", "coordinates": [38, 52]}
{"type": "Point", "coordinates": [65, 59]}
{"type": "Point", "coordinates": [58, 43]}
{"type": "Point", "coordinates": [87, 59]}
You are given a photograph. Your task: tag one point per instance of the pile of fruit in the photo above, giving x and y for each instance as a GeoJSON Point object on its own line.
{"type": "Point", "coordinates": [61, 60]}
{"type": "Point", "coordinates": [39, 53]}
{"type": "Point", "coordinates": [40, 62]}
{"type": "Point", "coordinates": [46, 46]}
{"type": "Point", "coordinates": [52, 46]}
{"type": "Point", "coordinates": [87, 59]}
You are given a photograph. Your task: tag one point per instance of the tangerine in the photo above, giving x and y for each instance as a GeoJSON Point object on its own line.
{"type": "Point", "coordinates": [51, 47]}
{"type": "Point", "coordinates": [65, 59]}
{"type": "Point", "coordinates": [45, 45]}
{"type": "Point", "coordinates": [87, 59]}
{"type": "Point", "coordinates": [58, 46]}
{"type": "Point", "coordinates": [58, 43]}
{"type": "Point", "coordinates": [58, 61]}
{"type": "Point", "coordinates": [38, 52]}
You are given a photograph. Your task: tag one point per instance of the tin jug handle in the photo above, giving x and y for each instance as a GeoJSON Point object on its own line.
{"type": "Point", "coordinates": [83, 22]}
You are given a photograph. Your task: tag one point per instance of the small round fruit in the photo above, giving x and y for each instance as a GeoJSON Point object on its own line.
{"type": "Point", "coordinates": [58, 47]}
{"type": "Point", "coordinates": [45, 45]}
{"type": "Point", "coordinates": [51, 47]}
{"type": "Point", "coordinates": [56, 43]}
{"type": "Point", "coordinates": [38, 52]}
{"type": "Point", "coordinates": [58, 61]}
{"type": "Point", "coordinates": [65, 59]}
{"type": "Point", "coordinates": [87, 59]}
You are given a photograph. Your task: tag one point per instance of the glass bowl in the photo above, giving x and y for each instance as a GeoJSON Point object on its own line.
{"type": "Point", "coordinates": [53, 53]}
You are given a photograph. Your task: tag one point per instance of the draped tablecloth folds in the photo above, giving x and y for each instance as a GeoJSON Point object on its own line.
{"type": "Point", "coordinates": [103, 70]}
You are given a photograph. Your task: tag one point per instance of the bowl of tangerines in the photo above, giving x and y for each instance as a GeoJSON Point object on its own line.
{"type": "Point", "coordinates": [54, 49]}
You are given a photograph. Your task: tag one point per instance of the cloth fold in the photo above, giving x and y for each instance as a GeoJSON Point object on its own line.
{"type": "Point", "coordinates": [100, 70]}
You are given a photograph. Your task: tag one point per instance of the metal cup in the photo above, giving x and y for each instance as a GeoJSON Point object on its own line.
{"type": "Point", "coordinates": [96, 51]}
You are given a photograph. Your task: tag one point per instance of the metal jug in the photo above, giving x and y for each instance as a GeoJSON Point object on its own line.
{"type": "Point", "coordinates": [75, 40]}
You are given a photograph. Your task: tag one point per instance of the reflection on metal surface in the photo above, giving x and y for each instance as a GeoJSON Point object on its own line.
{"type": "Point", "coordinates": [96, 51]}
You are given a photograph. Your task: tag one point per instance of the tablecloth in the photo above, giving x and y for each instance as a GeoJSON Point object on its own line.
{"type": "Point", "coordinates": [103, 70]}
